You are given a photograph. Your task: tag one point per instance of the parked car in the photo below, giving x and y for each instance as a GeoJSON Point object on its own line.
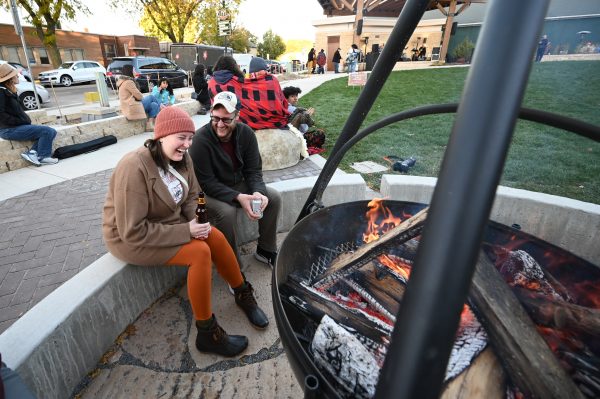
{"type": "Point", "coordinates": [71, 72]}
{"type": "Point", "coordinates": [147, 72]}
{"type": "Point", "coordinates": [22, 70]}
{"type": "Point", "coordinates": [275, 66]}
{"type": "Point", "coordinates": [27, 96]}
{"type": "Point", "coordinates": [243, 61]}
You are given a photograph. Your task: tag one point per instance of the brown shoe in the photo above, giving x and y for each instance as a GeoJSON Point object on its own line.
{"type": "Point", "coordinates": [215, 340]}
{"type": "Point", "coordinates": [244, 298]}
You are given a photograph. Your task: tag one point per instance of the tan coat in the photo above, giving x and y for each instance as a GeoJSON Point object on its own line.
{"type": "Point", "coordinates": [141, 223]}
{"type": "Point", "coordinates": [130, 99]}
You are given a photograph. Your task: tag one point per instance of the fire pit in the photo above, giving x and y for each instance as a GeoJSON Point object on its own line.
{"type": "Point", "coordinates": [449, 269]}
{"type": "Point", "coordinates": [317, 240]}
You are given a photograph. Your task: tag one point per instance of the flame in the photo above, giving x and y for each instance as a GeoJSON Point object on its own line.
{"type": "Point", "coordinates": [396, 265]}
{"type": "Point", "coordinates": [380, 220]}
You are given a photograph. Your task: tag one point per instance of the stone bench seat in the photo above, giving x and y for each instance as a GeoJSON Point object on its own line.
{"type": "Point", "coordinates": [118, 126]}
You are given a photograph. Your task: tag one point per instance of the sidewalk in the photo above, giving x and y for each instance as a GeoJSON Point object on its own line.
{"type": "Point", "coordinates": [50, 217]}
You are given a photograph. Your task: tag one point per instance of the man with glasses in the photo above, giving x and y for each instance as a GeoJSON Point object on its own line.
{"type": "Point", "coordinates": [229, 169]}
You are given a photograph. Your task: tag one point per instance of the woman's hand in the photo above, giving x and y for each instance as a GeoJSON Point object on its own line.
{"type": "Point", "coordinates": [199, 231]}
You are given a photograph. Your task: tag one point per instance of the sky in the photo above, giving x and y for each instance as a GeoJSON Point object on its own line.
{"type": "Point", "coordinates": [290, 19]}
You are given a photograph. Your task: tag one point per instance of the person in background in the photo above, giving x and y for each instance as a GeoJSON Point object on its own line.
{"type": "Point", "coordinates": [301, 119]}
{"type": "Point", "coordinates": [541, 49]}
{"type": "Point", "coordinates": [227, 76]}
{"type": "Point", "coordinates": [229, 168]}
{"type": "Point", "coordinates": [164, 93]}
{"type": "Point", "coordinates": [209, 73]}
{"type": "Point", "coordinates": [310, 63]}
{"type": "Point", "coordinates": [149, 219]}
{"type": "Point", "coordinates": [321, 61]}
{"type": "Point", "coordinates": [337, 57]}
{"type": "Point", "coordinates": [201, 89]}
{"type": "Point", "coordinates": [352, 58]}
{"type": "Point", "coordinates": [15, 124]}
{"type": "Point", "coordinates": [130, 96]}
{"type": "Point", "coordinates": [264, 106]}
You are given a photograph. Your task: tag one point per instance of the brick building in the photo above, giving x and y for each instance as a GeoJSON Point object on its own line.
{"type": "Point", "coordinates": [72, 46]}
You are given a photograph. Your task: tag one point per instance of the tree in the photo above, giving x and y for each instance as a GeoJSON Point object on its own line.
{"type": "Point", "coordinates": [177, 20]}
{"type": "Point", "coordinates": [272, 45]}
{"type": "Point", "coordinates": [45, 16]}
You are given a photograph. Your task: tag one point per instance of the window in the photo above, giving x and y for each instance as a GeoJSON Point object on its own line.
{"type": "Point", "coordinates": [44, 59]}
{"type": "Point", "coordinates": [77, 54]}
{"type": "Point", "coordinates": [12, 54]}
{"type": "Point", "coordinates": [30, 55]}
{"type": "Point", "coordinates": [109, 50]}
{"type": "Point", "coordinates": [66, 55]}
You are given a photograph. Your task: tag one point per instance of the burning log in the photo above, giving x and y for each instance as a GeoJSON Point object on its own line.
{"type": "Point", "coordinates": [347, 263]}
{"type": "Point", "coordinates": [526, 357]}
{"type": "Point", "coordinates": [560, 314]}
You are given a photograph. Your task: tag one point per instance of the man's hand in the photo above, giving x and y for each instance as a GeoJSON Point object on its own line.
{"type": "Point", "coordinates": [245, 202]}
{"type": "Point", "coordinates": [310, 111]}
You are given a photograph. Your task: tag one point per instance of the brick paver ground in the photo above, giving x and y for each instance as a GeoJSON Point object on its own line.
{"type": "Point", "coordinates": [49, 235]}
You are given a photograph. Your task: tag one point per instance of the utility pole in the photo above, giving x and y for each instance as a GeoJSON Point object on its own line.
{"type": "Point", "coordinates": [19, 30]}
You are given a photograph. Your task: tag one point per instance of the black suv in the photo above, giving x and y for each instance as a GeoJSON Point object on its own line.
{"type": "Point", "coordinates": [147, 71]}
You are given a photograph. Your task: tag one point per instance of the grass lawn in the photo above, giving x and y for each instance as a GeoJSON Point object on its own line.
{"type": "Point", "coordinates": [541, 158]}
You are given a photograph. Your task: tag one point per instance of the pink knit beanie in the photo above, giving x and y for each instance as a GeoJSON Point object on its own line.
{"type": "Point", "coordinates": [171, 120]}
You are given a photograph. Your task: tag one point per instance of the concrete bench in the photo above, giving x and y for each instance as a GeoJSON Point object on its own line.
{"type": "Point", "coordinates": [56, 343]}
{"type": "Point", "coordinates": [119, 126]}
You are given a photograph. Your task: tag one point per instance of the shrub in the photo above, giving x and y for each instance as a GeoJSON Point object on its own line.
{"type": "Point", "coordinates": [464, 50]}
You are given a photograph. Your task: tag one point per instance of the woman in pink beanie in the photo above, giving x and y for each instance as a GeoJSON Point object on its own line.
{"type": "Point", "coordinates": [149, 219]}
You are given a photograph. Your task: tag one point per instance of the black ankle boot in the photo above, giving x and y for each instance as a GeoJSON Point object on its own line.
{"type": "Point", "coordinates": [244, 297]}
{"type": "Point", "coordinates": [215, 340]}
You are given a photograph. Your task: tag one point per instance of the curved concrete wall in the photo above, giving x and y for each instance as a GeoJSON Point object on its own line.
{"type": "Point", "coordinates": [56, 343]}
{"type": "Point", "coordinates": [567, 223]}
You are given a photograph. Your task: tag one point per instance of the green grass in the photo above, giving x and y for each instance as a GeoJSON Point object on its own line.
{"type": "Point", "coordinates": [540, 158]}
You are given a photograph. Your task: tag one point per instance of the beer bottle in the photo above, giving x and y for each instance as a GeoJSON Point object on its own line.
{"type": "Point", "coordinates": [201, 213]}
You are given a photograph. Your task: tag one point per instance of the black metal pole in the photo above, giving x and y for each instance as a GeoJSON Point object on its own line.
{"type": "Point", "coordinates": [409, 18]}
{"type": "Point", "coordinates": [422, 339]}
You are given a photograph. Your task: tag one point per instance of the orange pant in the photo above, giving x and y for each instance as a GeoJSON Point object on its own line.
{"type": "Point", "coordinates": [199, 255]}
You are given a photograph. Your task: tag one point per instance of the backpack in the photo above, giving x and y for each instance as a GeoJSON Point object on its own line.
{"type": "Point", "coordinates": [315, 138]}
{"type": "Point", "coordinates": [321, 59]}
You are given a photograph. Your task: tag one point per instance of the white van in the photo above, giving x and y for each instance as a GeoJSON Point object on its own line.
{"type": "Point", "coordinates": [243, 61]}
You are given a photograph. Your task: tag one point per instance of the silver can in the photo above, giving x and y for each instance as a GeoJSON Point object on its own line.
{"type": "Point", "coordinates": [256, 204]}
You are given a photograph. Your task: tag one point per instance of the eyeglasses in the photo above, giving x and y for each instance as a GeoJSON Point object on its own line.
{"type": "Point", "coordinates": [226, 121]}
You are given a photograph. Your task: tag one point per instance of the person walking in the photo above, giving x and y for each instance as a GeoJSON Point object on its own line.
{"type": "Point", "coordinates": [541, 49]}
{"type": "Point", "coordinates": [310, 64]}
{"type": "Point", "coordinates": [321, 61]}
{"type": "Point", "coordinates": [352, 58]}
{"type": "Point", "coordinates": [337, 58]}
{"type": "Point", "coordinates": [15, 124]}
{"type": "Point", "coordinates": [149, 219]}
{"type": "Point", "coordinates": [229, 167]}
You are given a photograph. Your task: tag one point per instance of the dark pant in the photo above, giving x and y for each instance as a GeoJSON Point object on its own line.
{"type": "Point", "coordinates": [43, 136]}
{"type": "Point", "coordinates": [14, 387]}
{"type": "Point", "coordinates": [223, 216]}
